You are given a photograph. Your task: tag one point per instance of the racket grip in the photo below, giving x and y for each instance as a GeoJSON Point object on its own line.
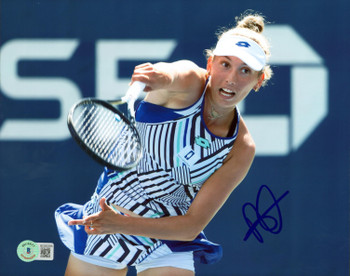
{"type": "Point", "coordinates": [134, 91]}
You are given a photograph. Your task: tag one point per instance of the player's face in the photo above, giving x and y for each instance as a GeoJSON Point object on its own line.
{"type": "Point", "coordinates": [231, 80]}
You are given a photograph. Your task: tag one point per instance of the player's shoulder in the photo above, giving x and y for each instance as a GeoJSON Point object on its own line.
{"type": "Point", "coordinates": [244, 145]}
{"type": "Point", "coordinates": [246, 139]}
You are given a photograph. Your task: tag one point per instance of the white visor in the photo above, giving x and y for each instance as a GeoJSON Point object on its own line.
{"type": "Point", "coordinates": [244, 48]}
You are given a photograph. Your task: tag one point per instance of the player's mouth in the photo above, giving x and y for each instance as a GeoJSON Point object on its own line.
{"type": "Point", "coordinates": [227, 92]}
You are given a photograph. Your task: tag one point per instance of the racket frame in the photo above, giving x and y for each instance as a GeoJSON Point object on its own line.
{"type": "Point", "coordinates": [87, 149]}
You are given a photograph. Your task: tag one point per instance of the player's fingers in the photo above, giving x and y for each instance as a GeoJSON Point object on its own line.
{"type": "Point", "coordinates": [77, 222]}
{"type": "Point", "coordinates": [85, 221]}
{"type": "Point", "coordinates": [104, 206]}
{"type": "Point", "coordinates": [139, 77]}
{"type": "Point", "coordinates": [91, 230]}
{"type": "Point", "coordinates": [143, 66]}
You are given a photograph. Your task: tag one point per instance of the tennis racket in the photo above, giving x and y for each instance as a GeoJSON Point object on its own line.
{"type": "Point", "coordinates": [106, 130]}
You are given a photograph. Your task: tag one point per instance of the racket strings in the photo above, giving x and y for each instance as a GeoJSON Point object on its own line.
{"type": "Point", "coordinates": [107, 134]}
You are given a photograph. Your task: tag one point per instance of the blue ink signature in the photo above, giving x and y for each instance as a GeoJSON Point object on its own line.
{"type": "Point", "coordinates": [267, 222]}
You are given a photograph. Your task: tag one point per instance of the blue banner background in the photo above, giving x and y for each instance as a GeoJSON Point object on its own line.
{"type": "Point", "coordinates": [38, 176]}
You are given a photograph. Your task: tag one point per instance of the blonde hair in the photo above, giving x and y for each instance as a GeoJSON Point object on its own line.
{"type": "Point", "coordinates": [250, 26]}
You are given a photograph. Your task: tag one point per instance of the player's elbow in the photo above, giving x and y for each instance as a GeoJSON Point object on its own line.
{"type": "Point", "coordinates": [191, 235]}
{"type": "Point", "coordinates": [193, 229]}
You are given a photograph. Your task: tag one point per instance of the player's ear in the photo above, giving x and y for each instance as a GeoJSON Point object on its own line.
{"type": "Point", "coordinates": [260, 82]}
{"type": "Point", "coordinates": [209, 65]}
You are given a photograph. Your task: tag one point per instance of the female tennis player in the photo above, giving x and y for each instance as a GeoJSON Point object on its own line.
{"type": "Point", "coordinates": [197, 149]}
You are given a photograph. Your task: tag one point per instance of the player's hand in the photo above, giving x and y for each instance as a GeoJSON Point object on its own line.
{"type": "Point", "coordinates": [153, 76]}
{"type": "Point", "coordinates": [104, 222]}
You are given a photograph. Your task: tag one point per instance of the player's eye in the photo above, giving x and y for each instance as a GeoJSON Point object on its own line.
{"type": "Point", "coordinates": [246, 70]}
{"type": "Point", "coordinates": [225, 64]}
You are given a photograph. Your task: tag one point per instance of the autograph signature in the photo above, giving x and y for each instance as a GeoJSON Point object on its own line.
{"type": "Point", "coordinates": [266, 221]}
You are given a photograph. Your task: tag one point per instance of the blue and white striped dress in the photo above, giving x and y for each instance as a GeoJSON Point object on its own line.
{"type": "Point", "coordinates": [179, 155]}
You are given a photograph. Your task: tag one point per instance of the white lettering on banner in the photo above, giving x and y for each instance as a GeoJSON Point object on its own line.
{"type": "Point", "coordinates": [280, 134]}
{"type": "Point", "coordinates": [110, 52]}
{"type": "Point", "coordinates": [16, 87]}
{"type": "Point", "coordinates": [274, 135]}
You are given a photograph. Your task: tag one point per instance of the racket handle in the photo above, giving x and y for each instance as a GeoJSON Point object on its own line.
{"type": "Point", "coordinates": [132, 95]}
{"type": "Point", "coordinates": [134, 92]}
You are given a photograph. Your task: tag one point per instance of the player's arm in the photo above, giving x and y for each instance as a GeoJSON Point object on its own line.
{"type": "Point", "coordinates": [175, 85]}
{"type": "Point", "coordinates": [207, 203]}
